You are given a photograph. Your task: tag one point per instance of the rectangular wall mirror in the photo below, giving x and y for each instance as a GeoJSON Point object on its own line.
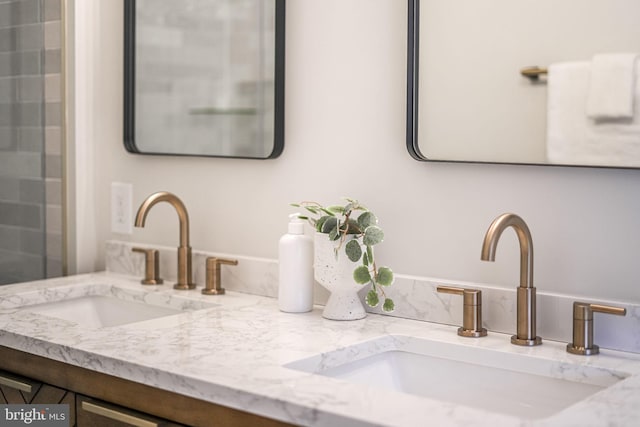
{"type": "Point", "coordinates": [472, 97]}
{"type": "Point", "coordinates": [204, 77]}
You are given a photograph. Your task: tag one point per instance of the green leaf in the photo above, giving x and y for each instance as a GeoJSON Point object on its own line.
{"type": "Point", "coordinates": [320, 222]}
{"type": "Point", "coordinates": [328, 224]}
{"type": "Point", "coordinates": [334, 234]}
{"type": "Point", "coordinates": [353, 250]}
{"type": "Point", "coordinates": [361, 275]}
{"type": "Point", "coordinates": [372, 298]}
{"type": "Point", "coordinates": [355, 205]}
{"type": "Point", "coordinates": [351, 226]}
{"type": "Point", "coordinates": [367, 219]}
{"type": "Point", "coordinates": [334, 209]}
{"type": "Point", "coordinates": [370, 254]}
{"type": "Point", "coordinates": [373, 235]}
{"type": "Point", "coordinates": [365, 259]}
{"type": "Point", "coordinates": [347, 208]}
{"type": "Point", "coordinates": [388, 305]}
{"type": "Point", "coordinates": [385, 276]}
{"type": "Point", "coordinates": [311, 209]}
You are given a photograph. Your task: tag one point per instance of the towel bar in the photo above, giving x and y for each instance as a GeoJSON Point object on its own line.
{"type": "Point", "coordinates": [533, 73]}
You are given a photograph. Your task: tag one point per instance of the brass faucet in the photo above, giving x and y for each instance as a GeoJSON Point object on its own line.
{"type": "Point", "coordinates": [185, 280]}
{"type": "Point", "coordinates": [526, 297]}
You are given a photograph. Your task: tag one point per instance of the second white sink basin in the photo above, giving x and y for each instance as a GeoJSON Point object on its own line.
{"type": "Point", "coordinates": [502, 382]}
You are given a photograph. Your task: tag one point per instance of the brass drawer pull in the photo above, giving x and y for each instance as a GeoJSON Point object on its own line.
{"type": "Point", "coordinates": [117, 415]}
{"type": "Point", "coordinates": [472, 310]}
{"type": "Point", "coordinates": [18, 385]}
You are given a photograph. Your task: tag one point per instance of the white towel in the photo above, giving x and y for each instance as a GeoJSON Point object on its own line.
{"type": "Point", "coordinates": [573, 138]}
{"type": "Point", "coordinates": [611, 86]}
{"type": "Point", "coordinates": [567, 85]}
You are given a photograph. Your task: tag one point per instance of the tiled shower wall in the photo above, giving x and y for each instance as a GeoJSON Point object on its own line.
{"type": "Point", "coordinates": [31, 133]}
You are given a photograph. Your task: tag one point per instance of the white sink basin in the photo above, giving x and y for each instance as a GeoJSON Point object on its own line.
{"type": "Point", "coordinates": [100, 306]}
{"type": "Point", "coordinates": [99, 311]}
{"type": "Point", "coordinates": [502, 382]}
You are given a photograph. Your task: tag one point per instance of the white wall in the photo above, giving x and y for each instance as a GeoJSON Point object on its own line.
{"type": "Point", "coordinates": [345, 131]}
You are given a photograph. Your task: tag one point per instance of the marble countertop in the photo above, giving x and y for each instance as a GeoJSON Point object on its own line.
{"type": "Point", "coordinates": [232, 350]}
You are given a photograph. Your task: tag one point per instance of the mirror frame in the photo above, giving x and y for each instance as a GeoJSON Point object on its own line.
{"type": "Point", "coordinates": [130, 85]}
{"type": "Point", "coordinates": [413, 59]}
{"type": "Point", "coordinates": [413, 36]}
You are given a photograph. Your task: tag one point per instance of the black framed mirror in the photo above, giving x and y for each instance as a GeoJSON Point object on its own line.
{"type": "Point", "coordinates": [474, 94]}
{"type": "Point", "coordinates": [204, 77]}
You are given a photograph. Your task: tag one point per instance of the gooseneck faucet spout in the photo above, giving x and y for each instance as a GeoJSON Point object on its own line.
{"type": "Point", "coordinates": [526, 294]}
{"type": "Point", "coordinates": [185, 280]}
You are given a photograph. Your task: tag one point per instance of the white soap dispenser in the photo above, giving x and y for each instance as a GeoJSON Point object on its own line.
{"type": "Point", "coordinates": [295, 254]}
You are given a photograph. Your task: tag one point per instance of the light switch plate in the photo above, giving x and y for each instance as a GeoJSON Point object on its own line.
{"type": "Point", "coordinates": [121, 205]}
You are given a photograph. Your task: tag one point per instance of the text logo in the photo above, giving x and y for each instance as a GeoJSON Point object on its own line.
{"type": "Point", "coordinates": [34, 415]}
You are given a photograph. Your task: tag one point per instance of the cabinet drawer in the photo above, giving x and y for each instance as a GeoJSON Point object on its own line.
{"type": "Point", "coordinates": [96, 413]}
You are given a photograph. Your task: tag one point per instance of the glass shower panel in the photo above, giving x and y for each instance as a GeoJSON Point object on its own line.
{"type": "Point", "coordinates": [30, 140]}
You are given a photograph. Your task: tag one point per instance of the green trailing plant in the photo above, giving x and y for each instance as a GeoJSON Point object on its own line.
{"type": "Point", "coordinates": [341, 221]}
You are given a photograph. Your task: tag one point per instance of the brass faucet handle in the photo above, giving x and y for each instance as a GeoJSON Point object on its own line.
{"type": "Point", "coordinates": [472, 310]}
{"type": "Point", "coordinates": [213, 284]}
{"type": "Point", "coordinates": [583, 326]}
{"type": "Point", "coordinates": [151, 266]}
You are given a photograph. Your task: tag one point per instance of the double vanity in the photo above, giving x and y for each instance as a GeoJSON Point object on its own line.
{"type": "Point", "coordinates": [121, 347]}
{"type": "Point", "coordinates": [238, 360]}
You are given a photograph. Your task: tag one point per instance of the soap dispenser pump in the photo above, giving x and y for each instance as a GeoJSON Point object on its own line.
{"type": "Point", "coordinates": [295, 254]}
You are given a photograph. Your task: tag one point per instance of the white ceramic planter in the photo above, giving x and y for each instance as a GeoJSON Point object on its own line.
{"type": "Point", "coordinates": [336, 275]}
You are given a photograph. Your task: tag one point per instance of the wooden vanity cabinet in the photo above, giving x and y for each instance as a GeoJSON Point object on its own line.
{"type": "Point", "coordinates": [91, 395]}
{"type": "Point", "coordinates": [83, 410]}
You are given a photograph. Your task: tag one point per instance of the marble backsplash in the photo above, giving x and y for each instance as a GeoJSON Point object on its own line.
{"type": "Point", "coordinates": [415, 297]}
